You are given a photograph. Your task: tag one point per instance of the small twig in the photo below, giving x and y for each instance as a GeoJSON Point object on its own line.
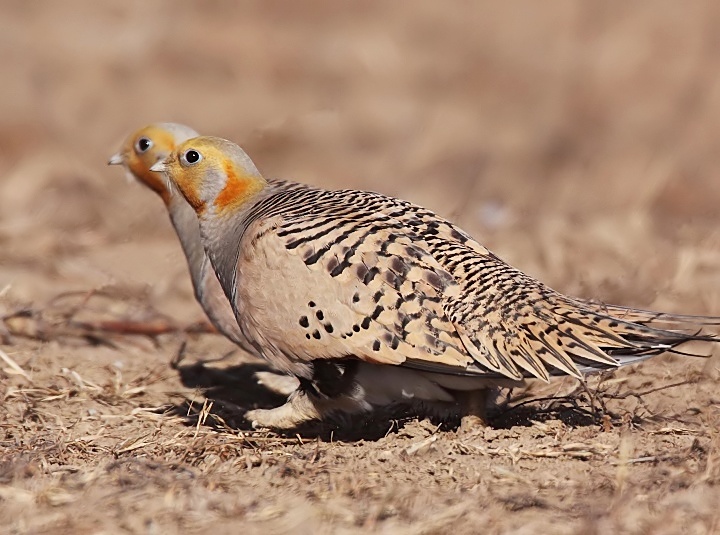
{"type": "Point", "coordinates": [57, 320]}
{"type": "Point", "coordinates": [536, 400]}
{"type": "Point", "coordinates": [648, 459]}
{"type": "Point", "coordinates": [95, 330]}
{"type": "Point", "coordinates": [202, 416]}
{"type": "Point", "coordinates": [651, 391]}
{"type": "Point", "coordinates": [179, 356]}
{"type": "Point", "coordinates": [14, 366]}
{"type": "Point", "coordinates": [73, 311]}
{"type": "Point", "coordinates": [145, 328]}
{"type": "Point", "coordinates": [5, 290]}
{"type": "Point", "coordinates": [593, 397]}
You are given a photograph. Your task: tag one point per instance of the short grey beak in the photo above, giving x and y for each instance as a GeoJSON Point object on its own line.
{"type": "Point", "coordinates": [115, 159]}
{"type": "Point", "coordinates": [158, 167]}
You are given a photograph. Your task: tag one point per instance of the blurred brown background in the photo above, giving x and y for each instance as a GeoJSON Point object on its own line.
{"type": "Point", "coordinates": [546, 129]}
{"type": "Point", "coordinates": [579, 140]}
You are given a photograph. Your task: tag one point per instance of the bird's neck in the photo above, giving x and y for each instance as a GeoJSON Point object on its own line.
{"type": "Point", "coordinates": [186, 225]}
{"type": "Point", "coordinates": [222, 232]}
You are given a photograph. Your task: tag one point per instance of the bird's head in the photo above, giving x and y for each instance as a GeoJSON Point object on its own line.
{"type": "Point", "coordinates": [146, 147]}
{"type": "Point", "coordinates": [213, 174]}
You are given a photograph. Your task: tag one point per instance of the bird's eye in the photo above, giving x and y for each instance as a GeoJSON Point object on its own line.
{"type": "Point", "coordinates": [143, 145]}
{"type": "Point", "coordinates": [191, 157]}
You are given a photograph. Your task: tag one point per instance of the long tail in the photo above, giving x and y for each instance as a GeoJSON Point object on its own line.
{"type": "Point", "coordinates": [548, 334]}
{"type": "Point", "coordinates": [630, 335]}
{"type": "Point", "coordinates": [514, 326]}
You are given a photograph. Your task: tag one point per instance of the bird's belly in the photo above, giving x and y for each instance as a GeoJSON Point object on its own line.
{"type": "Point", "coordinates": [465, 382]}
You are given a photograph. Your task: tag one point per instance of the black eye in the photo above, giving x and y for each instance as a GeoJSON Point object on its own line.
{"type": "Point", "coordinates": [191, 157]}
{"type": "Point", "coordinates": [143, 145]}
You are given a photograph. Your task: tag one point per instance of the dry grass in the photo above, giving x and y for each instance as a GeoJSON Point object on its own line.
{"type": "Point", "coordinates": [132, 450]}
{"type": "Point", "coordinates": [579, 141]}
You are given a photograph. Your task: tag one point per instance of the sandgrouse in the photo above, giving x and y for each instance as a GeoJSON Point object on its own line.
{"type": "Point", "coordinates": [365, 297]}
{"type": "Point", "coordinates": [138, 153]}
{"type": "Point", "coordinates": [154, 143]}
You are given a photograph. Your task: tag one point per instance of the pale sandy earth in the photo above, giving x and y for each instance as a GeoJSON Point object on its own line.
{"type": "Point", "coordinates": [579, 141]}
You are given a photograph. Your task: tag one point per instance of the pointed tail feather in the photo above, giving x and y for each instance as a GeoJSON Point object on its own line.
{"type": "Point", "coordinates": [572, 337]}
{"type": "Point", "coordinates": [628, 335]}
{"type": "Point", "coordinates": [647, 317]}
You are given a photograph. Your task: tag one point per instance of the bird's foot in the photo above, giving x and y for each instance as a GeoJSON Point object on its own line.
{"type": "Point", "coordinates": [302, 407]}
{"type": "Point", "coordinates": [298, 409]}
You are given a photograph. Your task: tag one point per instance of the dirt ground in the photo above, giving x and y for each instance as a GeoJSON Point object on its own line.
{"type": "Point", "coordinates": [580, 141]}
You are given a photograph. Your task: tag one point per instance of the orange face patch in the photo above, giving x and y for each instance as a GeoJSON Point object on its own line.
{"type": "Point", "coordinates": [139, 164]}
{"type": "Point", "coordinates": [237, 188]}
{"type": "Point", "coordinates": [193, 199]}
{"type": "Point", "coordinates": [187, 181]}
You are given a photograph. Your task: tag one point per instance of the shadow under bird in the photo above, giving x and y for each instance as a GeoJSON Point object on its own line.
{"type": "Point", "coordinates": [370, 300]}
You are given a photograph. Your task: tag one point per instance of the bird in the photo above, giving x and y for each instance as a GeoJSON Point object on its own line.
{"type": "Point", "coordinates": [139, 151]}
{"type": "Point", "coordinates": [365, 297]}
{"type": "Point", "coordinates": [153, 143]}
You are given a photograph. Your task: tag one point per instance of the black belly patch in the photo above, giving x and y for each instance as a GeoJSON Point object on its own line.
{"type": "Point", "coordinates": [330, 378]}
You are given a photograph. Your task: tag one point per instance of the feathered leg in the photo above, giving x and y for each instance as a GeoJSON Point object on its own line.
{"type": "Point", "coordinates": [473, 407]}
